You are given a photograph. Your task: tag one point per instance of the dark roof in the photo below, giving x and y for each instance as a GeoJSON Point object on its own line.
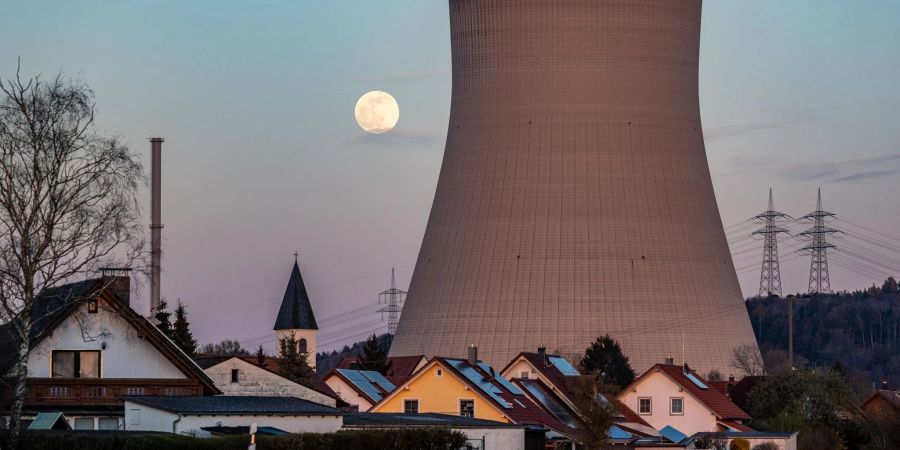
{"type": "Point", "coordinates": [711, 397]}
{"type": "Point", "coordinates": [892, 397]}
{"type": "Point", "coordinates": [233, 405]}
{"type": "Point", "coordinates": [54, 304]}
{"type": "Point", "coordinates": [369, 384]}
{"type": "Point", "coordinates": [237, 431]}
{"type": "Point", "coordinates": [402, 367]}
{"type": "Point", "coordinates": [739, 392]}
{"type": "Point", "coordinates": [296, 312]}
{"type": "Point", "coordinates": [381, 420]}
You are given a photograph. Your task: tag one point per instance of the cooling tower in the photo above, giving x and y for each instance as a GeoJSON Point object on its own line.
{"type": "Point", "coordinates": [574, 197]}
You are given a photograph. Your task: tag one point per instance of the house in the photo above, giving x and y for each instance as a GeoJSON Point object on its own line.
{"type": "Point", "coordinates": [543, 378]}
{"type": "Point", "coordinates": [469, 388]}
{"type": "Point", "coordinates": [89, 348]}
{"type": "Point", "coordinates": [191, 414]}
{"type": "Point", "coordinates": [482, 434]}
{"type": "Point", "coordinates": [295, 317]}
{"type": "Point", "coordinates": [883, 404]}
{"type": "Point", "coordinates": [673, 396]}
{"type": "Point", "coordinates": [399, 370]}
{"type": "Point", "coordinates": [242, 375]}
{"type": "Point", "coordinates": [359, 388]}
{"type": "Point", "coordinates": [738, 391]}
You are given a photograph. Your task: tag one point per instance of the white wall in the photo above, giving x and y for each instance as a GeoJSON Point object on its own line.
{"type": "Point", "coordinates": [347, 393]}
{"type": "Point", "coordinates": [152, 419]}
{"type": "Point", "coordinates": [256, 381]}
{"type": "Point", "coordinates": [498, 438]}
{"type": "Point", "coordinates": [660, 388]}
{"type": "Point", "coordinates": [309, 335]}
{"type": "Point", "coordinates": [126, 354]}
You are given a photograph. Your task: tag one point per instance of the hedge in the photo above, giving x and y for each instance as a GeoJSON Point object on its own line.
{"type": "Point", "coordinates": [399, 439]}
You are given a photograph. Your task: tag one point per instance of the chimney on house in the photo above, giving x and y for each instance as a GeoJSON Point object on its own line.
{"type": "Point", "coordinates": [473, 355]}
{"type": "Point", "coordinates": [542, 353]}
{"type": "Point", "coordinates": [731, 378]}
{"type": "Point", "coordinates": [155, 222]}
{"type": "Point", "coordinates": [118, 280]}
{"type": "Point", "coordinates": [669, 361]}
{"type": "Point", "coordinates": [885, 386]}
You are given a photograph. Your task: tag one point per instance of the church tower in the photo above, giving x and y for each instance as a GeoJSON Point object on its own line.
{"type": "Point", "coordinates": [296, 316]}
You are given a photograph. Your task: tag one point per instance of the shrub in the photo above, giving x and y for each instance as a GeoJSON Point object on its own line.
{"type": "Point", "coordinates": [739, 444]}
{"type": "Point", "coordinates": [766, 446]}
{"type": "Point", "coordinates": [398, 439]}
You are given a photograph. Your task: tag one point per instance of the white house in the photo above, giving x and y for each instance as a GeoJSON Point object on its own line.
{"type": "Point", "coordinates": [677, 397]}
{"type": "Point", "coordinates": [89, 348]}
{"type": "Point", "coordinates": [190, 414]}
{"type": "Point", "coordinates": [240, 375]}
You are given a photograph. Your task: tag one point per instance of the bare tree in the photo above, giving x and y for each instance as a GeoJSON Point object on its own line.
{"type": "Point", "coordinates": [747, 359]}
{"type": "Point", "coordinates": [68, 202]}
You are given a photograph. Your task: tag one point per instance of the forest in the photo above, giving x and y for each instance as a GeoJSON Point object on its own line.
{"type": "Point", "coordinates": [856, 332]}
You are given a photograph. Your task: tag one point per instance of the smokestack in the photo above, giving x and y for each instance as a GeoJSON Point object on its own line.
{"type": "Point", "coordinates": [473, 355]}
{"type": "Point", "coordinates": [155, 222]}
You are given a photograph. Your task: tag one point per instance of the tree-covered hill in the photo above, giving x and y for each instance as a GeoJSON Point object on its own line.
{"type": "Point", "coordinates": [325, 361]}
{"type": "Point", "coordinates": [858, 331]}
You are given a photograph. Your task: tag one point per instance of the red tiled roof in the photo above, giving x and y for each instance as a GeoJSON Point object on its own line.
{"type": "Point", "coordinates": [740, 391]}
{"type": "Point", "coordinates": [711, 397]}
{"type": "Point", "coordinates": [555, 377]}
{"type": "Point", "coordinates": [737, 426]}
{"type": "Point", "coordinates": [522, 411]}
{"type": "Point", "coordinates": [892, 397]}
{"type": "Point", "coordinates": [721, 386]}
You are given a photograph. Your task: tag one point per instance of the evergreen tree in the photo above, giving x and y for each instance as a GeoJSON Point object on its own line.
{"type": "Point", "coordinates": [373, 356]}
{"type": "Point", "coordinates": [605, 358]}
{"type": "Point", "coordinates": [164, 318]}
{"type": "Point", "coordinates": [292, 363]}
{"type": "Point", "coordinates": [260, 356]}
{"type": "Point", "coordinates": [181, 331]}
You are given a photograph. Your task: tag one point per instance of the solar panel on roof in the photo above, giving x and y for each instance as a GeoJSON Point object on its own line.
{"type": "Point", "coordinates": [672, 434]}
{"type": "Point", "coordinates": [618, 433]}
{"type": "Point", "coordinates": [361, 382]}
{"type": "Point", "coordinates": [499, 378]}
{"type": "Point", "coordinates": [478, 380]}
{"type": "Point", "coordinates": [695, 380]}
{"type": "Point", "coordinates": [378, 379]}
{"type": "Point", "coordinates": [549, 402]}
{"type": "Point", "coordinates": [563, 366]}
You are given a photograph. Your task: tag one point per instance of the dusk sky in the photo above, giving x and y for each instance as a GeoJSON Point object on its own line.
{"type": "Point", "coordinates": [263, 156]}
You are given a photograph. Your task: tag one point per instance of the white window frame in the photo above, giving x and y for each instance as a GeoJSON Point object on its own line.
{"type": "Point", "coordinates": [648, 413]}
{"type": "Point", "coordinates": [459, 406]}
{"type": "Point", "coordinates": [672, 406]}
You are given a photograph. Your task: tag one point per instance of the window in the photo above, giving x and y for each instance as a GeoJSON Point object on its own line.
{"type": "Point", "coordinates": [234, 375]}
{"type": "Point", "coordinates": [644, 406]}
{"type": "Point", "coordinates": [84, 423]}
{"type": "Point", "coordinates": [410, 406]}
{"type": "Point", "coordinates": [303, 345]}
{"type": "Point", "coordinates": [74, 364]}
{"type": "Point", "coordinates": [438, 372]}
{"type": "Point", "coordinates": [108, 423]}
{"type": "Point", "coordinates": [467, 408]}
{"type": "Point", "coordinates": [676, 406]}
{"type": "Point", "coordinates": [523, 375]}
{"type": "Point", "coordinates": [92, 306]}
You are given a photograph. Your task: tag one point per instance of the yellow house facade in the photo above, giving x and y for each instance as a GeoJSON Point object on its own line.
{"type": "Point", "coordinates": [436, 388]}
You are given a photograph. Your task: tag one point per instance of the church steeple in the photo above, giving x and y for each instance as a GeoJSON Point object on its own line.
{"type": "Point", "coordinates": [296, 318]}
{"type": "Point", "coordinates": [296, 312]}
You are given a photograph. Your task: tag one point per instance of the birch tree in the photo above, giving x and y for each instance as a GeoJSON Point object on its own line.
{"type": "Point", "coordinates": [67, 202]}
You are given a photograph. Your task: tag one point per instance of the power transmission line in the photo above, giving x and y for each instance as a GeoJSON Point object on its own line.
{"type": "Point", "coordinates": [817, 246]}
{"type": "Point", "coordinates": [770, 272]}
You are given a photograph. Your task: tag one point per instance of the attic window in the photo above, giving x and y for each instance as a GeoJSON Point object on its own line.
{"type": "Point", "coordinates": [234, 375]}
{"type": "Point", "coordinates": [92, 306]}
{"type": "Point", "coordinates": [438, 372]}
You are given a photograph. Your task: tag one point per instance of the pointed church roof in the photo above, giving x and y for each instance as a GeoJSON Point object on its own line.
{"type": "Point", "coordinates": [296, 312]}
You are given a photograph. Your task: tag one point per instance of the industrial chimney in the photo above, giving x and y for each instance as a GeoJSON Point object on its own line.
{"type": "Point", "coordinates": [155, 225]}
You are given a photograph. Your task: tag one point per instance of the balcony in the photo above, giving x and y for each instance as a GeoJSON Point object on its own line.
{"type": "Point", "coordinates": [102, 391]}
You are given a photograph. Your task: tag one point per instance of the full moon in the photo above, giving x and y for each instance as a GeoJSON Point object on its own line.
{"type": "Point", "coordinates": [377, 112]}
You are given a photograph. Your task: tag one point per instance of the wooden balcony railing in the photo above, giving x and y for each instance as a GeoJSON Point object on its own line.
{"type": "Point", "coordinates": [102, 391]}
